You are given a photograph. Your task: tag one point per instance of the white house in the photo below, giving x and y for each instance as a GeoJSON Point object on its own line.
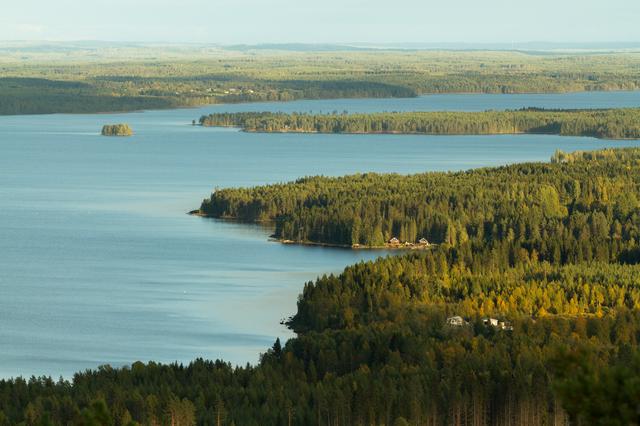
{"type": "Point", "coordinates": [456, 321]}
{"type": "Point", "coordinates": [502, 325]}
{"type": "Point", "coordinates": [490, 321]}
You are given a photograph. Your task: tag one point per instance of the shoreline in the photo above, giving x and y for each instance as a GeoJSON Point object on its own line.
{"type": "Point", "coordinates": [410, 247]}
{"type": "Point", "coordinates": [387, 246]}
{"type": "Point", "coordinates": [196, 106]}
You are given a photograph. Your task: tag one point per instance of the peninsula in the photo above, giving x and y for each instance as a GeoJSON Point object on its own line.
{"type": "Point", "coordinates": [620, 123]}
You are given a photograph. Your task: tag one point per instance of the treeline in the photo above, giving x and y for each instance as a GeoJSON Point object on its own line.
{"type": "Point", "coordinates": [613, 123]}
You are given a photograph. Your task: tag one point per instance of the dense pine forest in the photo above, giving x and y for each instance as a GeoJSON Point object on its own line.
{"type": "Point", "coordinates": [585, 199]}
{"type": "Point", "coordinates": [374, 347]}
{"type": "Point", "coordinates": [612, 124]}
{"type": "Point", "coordinates": [154, 79]}
{"type": "Point", "coordinates": [526, 312]}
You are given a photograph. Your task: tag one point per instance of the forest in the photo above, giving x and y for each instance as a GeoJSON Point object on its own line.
{"type": "Point", "coordinates": [156, 79]}
{"type": "Point", "coordinates": [373, 347]}
{"type": "Point", "coordinates": [623, 123]}
{"type": "Point", "coordinates": [550, 249]}
{"type": "Point", "coordinates": [585, 199]}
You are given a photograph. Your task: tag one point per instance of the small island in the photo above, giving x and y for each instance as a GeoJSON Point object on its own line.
{"type": "Point", "coordinates": [116, 130]}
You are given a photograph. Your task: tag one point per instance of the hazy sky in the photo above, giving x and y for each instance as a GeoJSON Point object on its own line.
{"type": "Point", "coordinates": [267, 21]}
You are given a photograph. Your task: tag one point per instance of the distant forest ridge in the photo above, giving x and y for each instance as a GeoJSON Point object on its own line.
{"type": "Point", "coordinates": [84, 79]}
{"type": "Point", "coordinates": [608, 123]}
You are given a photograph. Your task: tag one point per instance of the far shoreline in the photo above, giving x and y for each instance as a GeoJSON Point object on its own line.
{"type": "Point", "coordinates": [422, 95]}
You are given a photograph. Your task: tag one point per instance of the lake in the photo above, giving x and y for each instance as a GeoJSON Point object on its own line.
{"type": "Point", "coordinates": [101, 264]}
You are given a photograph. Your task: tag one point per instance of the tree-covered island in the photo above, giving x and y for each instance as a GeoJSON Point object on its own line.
{"type": "Point", "coordinates": [116, 130]}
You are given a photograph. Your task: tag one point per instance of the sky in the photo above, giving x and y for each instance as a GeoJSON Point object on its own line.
{"type": "Point", "coordinates": [326, 21]}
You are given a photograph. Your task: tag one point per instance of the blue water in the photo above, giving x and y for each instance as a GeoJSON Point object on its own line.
{"type": "Point", "coordinates": [449, 102]}
{"type": "Point", "coordinates": [100, 263]}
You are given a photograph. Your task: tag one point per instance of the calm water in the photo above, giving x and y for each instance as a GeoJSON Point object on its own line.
{"type": "Point", "coordinates": [450, 102]}
{"type": "Point", "coordinates": [100, 263]}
